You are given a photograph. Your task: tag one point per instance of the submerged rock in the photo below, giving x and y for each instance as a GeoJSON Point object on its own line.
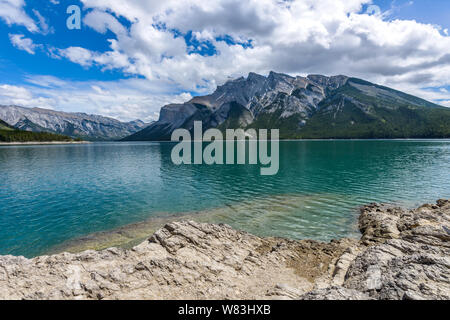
{"type": "Point", "coordinates": [403, 254]}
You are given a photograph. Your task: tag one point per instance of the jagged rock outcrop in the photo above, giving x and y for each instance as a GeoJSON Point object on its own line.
{"type": "Point", "coordinates": [403, 254]}
{"type": "Point", "coordinates": [91, 127]}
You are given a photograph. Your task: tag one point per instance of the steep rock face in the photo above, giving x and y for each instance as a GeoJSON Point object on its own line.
{"type": "Point", "coordinates": [315, 106]}
{"type": "Point", "coordinates": [403, 254]}
{"type": "Point", "coordinates": [230, 115]}
{"type": "Point", "coordinates": [331, 83]}
{"type": "Point", "coordinates": [91, 127]}
{"type": "Point", "coordinates": [177, 114]}
{"type": "Point", "coordinates": [277, 96]}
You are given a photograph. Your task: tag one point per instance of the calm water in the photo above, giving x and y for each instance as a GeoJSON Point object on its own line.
{"type": "Point", "coordinates": [51, 194]}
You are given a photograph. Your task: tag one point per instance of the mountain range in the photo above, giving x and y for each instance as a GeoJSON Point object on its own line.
{"type": "Point", "coordinates": [76, 125]}
{"type": "Point", "coordinates": [309, 107]}
{"type": "Point", "coordinates": [9, 134]}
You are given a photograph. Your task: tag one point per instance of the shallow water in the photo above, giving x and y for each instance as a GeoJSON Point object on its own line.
{"type": "Point", "coordinates": [52, 194]}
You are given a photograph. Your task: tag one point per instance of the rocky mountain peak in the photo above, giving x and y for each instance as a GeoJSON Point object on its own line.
{"type": "Point", "coordinates": [254, 77]}
{"type": "Point", "coordinates": [312, 106]}
{"type": "Point", "coordinates": [279, 76]}
{"type": "Point", "coordinates": [333, 82]}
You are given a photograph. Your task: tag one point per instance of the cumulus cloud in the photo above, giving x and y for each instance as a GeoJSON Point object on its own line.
{"type": "Point", "coordinates": [78, 55]}
{"type": "Point", "coordinates": [296, 37]}
{"type": "Point", "coordinates": [18, 95]}
{"type": "Point", "coordinates": [20, 42]}
{"type": "Point", "coordinates": [108, 60]}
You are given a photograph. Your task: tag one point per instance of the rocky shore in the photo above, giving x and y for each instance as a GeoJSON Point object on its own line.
{"type": "Point", "coordinates": [402, 254]}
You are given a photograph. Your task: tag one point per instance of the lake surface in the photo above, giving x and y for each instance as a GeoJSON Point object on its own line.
{"type": "Point", "coordinates": [52, 194]}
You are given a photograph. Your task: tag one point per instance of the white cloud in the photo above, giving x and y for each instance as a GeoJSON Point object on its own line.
{"type": "Point", "coordinates": [9, 91]}
{"type": "Point", "coordinates": [108, 60]}
{"type": "Point", "coordinates": [12, 12]}
{"type": "Point", "coordinates": [45, 29]}
{"type": "Point", "coordinates": [295, 37]}
{"type": "Point", "coordinates": [101, 22]}
{"type": "Point", "coordinates": [125, 100]}
{"type": "Point", "coordinates": [20, 42]}
{"type": "Point", "coordinates": [78, 55]}
{"type": "Point", "coordinates": [16, 95]}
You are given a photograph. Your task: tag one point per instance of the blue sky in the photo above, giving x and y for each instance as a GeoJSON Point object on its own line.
{"type": "Point", "coordinates": [424, 11]}
{"type": "Point", "coordinates": [60, 37]}
{"type": "Point", "coordinates": [132, 57]}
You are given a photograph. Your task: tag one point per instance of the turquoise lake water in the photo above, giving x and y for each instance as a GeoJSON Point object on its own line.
{"type": "Point", "coordinates": [51, 194]}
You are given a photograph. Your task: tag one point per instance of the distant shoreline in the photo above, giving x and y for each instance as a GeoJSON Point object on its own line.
{"type": "Point", "coordinates": [33, 143]}
{"type": "Point", "coordinates": [295, 140]}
